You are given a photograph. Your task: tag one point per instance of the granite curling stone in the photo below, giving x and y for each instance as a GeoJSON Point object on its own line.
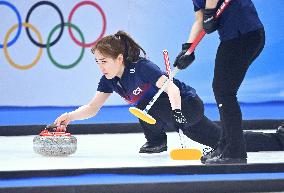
{"type": "Point", "coordinates": [54, 143]}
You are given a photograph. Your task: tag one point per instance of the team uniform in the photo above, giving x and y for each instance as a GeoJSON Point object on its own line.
{"type": "Point", "coordinates": [242, 39]}
{"type": "Point", "coordinates": [137, 87]}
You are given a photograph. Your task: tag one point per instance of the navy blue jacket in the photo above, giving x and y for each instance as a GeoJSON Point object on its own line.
{"type": "Point", "coordinates": [239, 18]}
{"type": "Point", "coordinates": [138, 82]}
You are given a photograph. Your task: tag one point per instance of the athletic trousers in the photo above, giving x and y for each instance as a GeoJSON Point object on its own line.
{"type": "Point", "coordinates": [199, 128]}
{"type": "Point", "coordinates": [232, 61]}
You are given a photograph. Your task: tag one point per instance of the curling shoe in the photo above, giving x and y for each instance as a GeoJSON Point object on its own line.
{"type": "Point", "coordinates": [209, 153]}
{"type": "Point", "coordinates": [212, 152]}
{"type": "Point", "coordinates": [226, 158]}
{"type": "Point", "coordinates": [154, 148]}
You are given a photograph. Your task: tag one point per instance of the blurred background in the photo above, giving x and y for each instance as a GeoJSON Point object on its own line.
{"type": "Point", "coordinates": [39, 82]}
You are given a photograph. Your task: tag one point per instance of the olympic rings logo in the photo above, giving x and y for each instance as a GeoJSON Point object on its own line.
{"type": "Point", "coordinates": [39, 43]}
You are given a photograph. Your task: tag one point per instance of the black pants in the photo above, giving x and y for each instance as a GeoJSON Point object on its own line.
{"type": "Point", "coordinates": [199, 128]}
{"type": "Point", "coordinates": [232, 62]}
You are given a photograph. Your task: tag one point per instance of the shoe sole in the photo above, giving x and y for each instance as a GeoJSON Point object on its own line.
{"type": "Point", "coordinates": [225, 161]}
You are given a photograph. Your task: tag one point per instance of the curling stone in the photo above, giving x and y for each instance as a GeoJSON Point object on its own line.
{"type": "Point", "coordinates": [54, 143]}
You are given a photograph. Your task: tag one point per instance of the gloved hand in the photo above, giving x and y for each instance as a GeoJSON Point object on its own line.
{"type": "Point", "coordinates": [182, 61]}
{"type": "Point", "coordinates": [210, 23]}
{"type": "Point", "coordinates": [179, 120]}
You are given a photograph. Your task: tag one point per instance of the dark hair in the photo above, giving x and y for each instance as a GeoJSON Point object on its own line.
{"type": "Point", "coordinates": [119, 43]}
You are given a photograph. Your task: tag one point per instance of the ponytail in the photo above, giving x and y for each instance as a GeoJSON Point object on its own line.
{"type": "Point", "coordinates": [132, 49]}
{"type": "Point", "coordinates": [119, 43]}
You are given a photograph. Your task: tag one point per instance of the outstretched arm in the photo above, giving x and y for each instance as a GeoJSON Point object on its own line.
{"type": "Point", "coordinates": [83, 112]}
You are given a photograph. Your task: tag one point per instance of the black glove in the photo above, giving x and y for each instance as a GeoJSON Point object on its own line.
{"type": "Point", "coordinates": [210, 23]}
{"type": "Point", "coordinates": [182, 61]}
{"type": "Point", "coordinates": [179, 120]}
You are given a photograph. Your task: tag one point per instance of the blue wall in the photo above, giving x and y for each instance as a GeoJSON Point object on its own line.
{"type": "Point", "coordinates": [156, 25]}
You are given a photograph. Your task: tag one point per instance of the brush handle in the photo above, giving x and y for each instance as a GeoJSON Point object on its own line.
{"type": "Point", "coordinates": [167, 62]}
{"type": "Point", "coordinates": [165, 84]}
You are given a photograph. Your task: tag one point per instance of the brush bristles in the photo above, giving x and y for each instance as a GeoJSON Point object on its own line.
{"type": "Point", "coordinates": [186, 154]}
{"type": "Point", "coordinates": [142, 115]}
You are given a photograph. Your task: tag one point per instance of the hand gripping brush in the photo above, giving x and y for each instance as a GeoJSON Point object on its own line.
{"type": "Point", "coordinates": [182, 153]}
{"type": "Point", "coordinates": [143, 114]}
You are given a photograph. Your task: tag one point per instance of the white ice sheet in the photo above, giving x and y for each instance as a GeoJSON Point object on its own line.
{"type": "Point", "coordinates": [103, 151]}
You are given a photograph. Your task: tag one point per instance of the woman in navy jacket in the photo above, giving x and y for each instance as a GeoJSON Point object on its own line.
{"type": "Point", "coordinates": [242, 39]}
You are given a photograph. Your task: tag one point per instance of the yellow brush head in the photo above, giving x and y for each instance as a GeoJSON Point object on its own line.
{"type": "Point", "coordinates": [186, 154]}
{"type": "Point", "coordinates": [142, 115]}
